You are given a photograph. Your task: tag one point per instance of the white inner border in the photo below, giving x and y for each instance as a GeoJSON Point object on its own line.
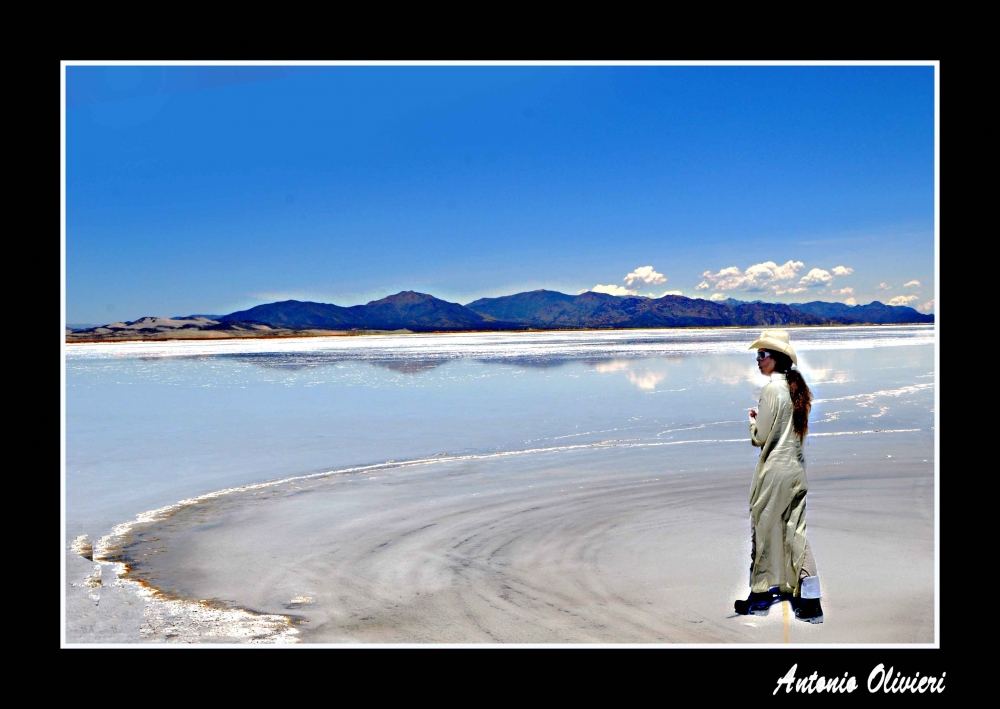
{"type": "Point", "coordinates": [937, 341]}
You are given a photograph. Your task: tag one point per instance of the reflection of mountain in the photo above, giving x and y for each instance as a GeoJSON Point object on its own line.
{"type": "Point", "coordinates": [311, 360]}
{"type": "Point", "coordinates": [408, 366]}
{"type": "Point", "coordinates": [290, 361]}
{"type": "Point", "coordinates": [295, 361]}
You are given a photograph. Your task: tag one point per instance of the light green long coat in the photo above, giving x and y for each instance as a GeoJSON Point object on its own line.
{"type": "Point", "coordinates": [778, 493]}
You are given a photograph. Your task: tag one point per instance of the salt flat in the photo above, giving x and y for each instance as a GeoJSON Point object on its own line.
{"type": "Point", "coordinates": [550, 488]}
{"type": "Point", "coordinates": [611, 545]}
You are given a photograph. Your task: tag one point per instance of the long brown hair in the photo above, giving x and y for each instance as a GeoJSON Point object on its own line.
{"type": "Point", "coordinates": [798, 390]}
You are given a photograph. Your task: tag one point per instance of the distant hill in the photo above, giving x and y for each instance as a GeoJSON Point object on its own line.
{"type": "Point", "coordinates": [549, 309]}
{"type": "Point", "coordinates": [407, 310]}
{"type": "Point", "coordinates": [874, 313]}
{"type": "Point", "coordinates": [543, 308]}
{"type": "Point", "coordinates": [540, 309]}
{"type": "Point", "coordinates": [297, 314]}
{"type": "Point", "coordinates": [422, 312]}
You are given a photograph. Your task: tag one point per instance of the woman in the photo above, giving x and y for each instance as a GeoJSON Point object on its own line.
{"type": "Point", "coordinates": [781, 562]}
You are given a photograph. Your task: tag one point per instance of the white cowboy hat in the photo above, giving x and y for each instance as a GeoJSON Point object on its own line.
{"type": "Point", "coordinates": [776, 341]}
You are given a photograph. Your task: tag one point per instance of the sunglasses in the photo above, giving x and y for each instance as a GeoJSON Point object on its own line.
{"type": "Point", "coordinates": [762, 355]}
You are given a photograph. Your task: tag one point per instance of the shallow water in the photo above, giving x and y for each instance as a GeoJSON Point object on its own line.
{"type": "Point", "coordinates": [148, 424]}
{"type": "Point", "coordinates": [590, 468]}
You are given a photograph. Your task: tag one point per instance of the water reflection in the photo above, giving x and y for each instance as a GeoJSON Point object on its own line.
{"type": "Point", "coordinates": [638, 373]}
{"type": "Point", "coordinates": [404, 366]}
{"type": "Point", "coordinates": [143, 432]}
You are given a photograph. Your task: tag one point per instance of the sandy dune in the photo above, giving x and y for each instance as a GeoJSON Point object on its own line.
{"type": "Point", "coordinates": [107, 334]}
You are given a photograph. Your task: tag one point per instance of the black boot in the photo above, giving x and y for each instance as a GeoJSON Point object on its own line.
{"type": "Point", "coordinates": [809, 610]}
{"type": "Point", "coordinates": [807, 607]}
{"type": "Point", "coordinates": [755, 604]}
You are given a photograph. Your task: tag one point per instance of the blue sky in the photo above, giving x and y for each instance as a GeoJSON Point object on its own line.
{"type": "Point", "coordinates": [212, 189]}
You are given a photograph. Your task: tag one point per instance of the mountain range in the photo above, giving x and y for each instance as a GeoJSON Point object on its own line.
{"type": "Point", "coordinates": [539, 309]}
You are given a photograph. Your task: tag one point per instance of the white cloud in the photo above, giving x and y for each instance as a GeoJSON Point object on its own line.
{"type": "Point", "coordinates": [670, 292]}
{"type": "Point", "coordinates": [612, 290]}
{"type": "Point", "coordinates": [902, 300]}
{"type": "Point", "coordinates": [646, 274]}
{"type": "Point", "coordinates": [928, 306]}
{"type": "Point", "coordinates": [914, 282]}
{"type": "Point", "coordinates": [842, 270]}
{"type": "Point", "coordinates": [759, 277]}
{"type": "Point", "coordinates": [816, 277]}
{"type": "Point", "coordinates": [882, 286]}
{"type": "Point", "coordinates": [842, 291]}
{"type": "Point", "coordinates": [718, 296]}
{"type": "Point", "coordinates": [781, 273]}
{"type": "Point", "coordinates": [850, 301]}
